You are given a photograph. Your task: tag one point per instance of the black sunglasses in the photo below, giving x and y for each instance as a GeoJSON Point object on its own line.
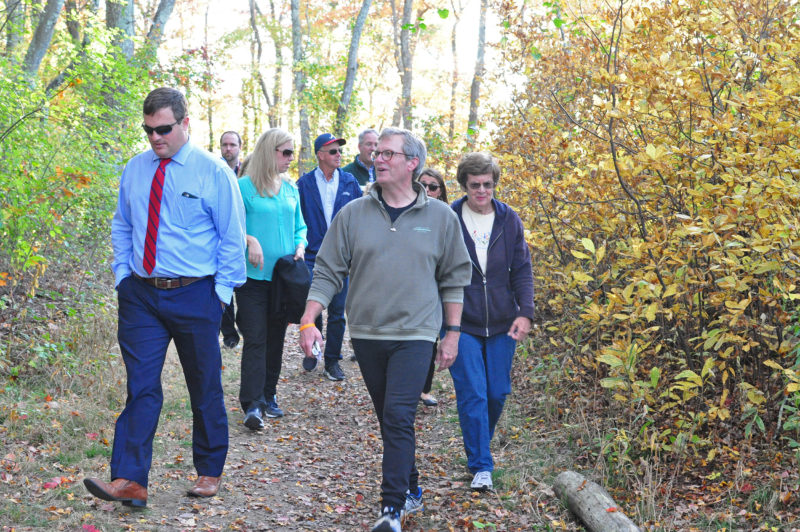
{"type": "Point", "coordinates": [285, 153]}
{"type": "Point", "coordinates": [161, 130]}
{"type": "Point", "coordinates": [475, 185]}
{"type": "Point", "coordinates": [334, 151]}
{"type": "Point", "coordinates": [433, 187]}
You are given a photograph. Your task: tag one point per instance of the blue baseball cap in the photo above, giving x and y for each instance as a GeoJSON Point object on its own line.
{"type": "Point", "coordinates": [325, 139]}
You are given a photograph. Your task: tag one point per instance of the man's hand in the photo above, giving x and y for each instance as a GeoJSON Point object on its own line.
{"type": "Point", "coordinates": [520, 328]}
{"type": "Point", "coordinates": [309, 333]}
{"type": "Point", "coordinates": [448, 350]}
{"type": "Point", "coordinates": [308, 336]}
{"type": "Point", "coordinates": [254, 254]}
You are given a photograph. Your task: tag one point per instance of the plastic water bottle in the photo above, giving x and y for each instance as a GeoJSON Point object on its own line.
{"type": "Point", "coordinates": [317, 351]}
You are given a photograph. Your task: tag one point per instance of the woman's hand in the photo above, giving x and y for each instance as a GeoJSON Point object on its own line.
{"type": "Point", "coordinates": [520, 328]}
{"type": "Point", "coordinates": [254, 254]}
{"type": "Point", "coordinates": [300, 252]}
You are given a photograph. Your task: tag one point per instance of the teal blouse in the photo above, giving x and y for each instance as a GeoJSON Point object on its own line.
{"type": "Point", "coordinates": [277, 223]}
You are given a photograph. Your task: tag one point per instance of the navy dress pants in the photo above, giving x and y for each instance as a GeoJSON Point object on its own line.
{"type": "Point", "coordinates": [148, 319]}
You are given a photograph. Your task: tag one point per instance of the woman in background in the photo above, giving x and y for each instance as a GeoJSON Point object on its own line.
{"type": "Point", "coordinates": [433, 182]}
{"type": "Point", "coordinates": [275, 228]}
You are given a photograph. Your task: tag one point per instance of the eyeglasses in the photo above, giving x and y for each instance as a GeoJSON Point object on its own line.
{"type": "Point", "coordinates": [387, 154]}
{"type": "Point", "coordinates": [285, 153]}
{"type": "Point", "coordinates": [476, 185]}
{"type": "Point", "coordinates": [433, 187]}
{"type": "Point", "coordinates": [161, 130]}
{"type": "Point", "coordinates": [334, 151]}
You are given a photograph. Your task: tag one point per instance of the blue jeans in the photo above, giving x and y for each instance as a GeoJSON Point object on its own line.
{"type": "Point", "coordinates": [334, 332]}
{"type": "Point", "coordinates": [482, 379]}
{"type": "Point", "coordinates": [148, 319]}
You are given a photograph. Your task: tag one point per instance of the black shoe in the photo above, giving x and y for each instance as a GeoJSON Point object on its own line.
{"type": "Point", "coordinates": [230, 341]}
{"type": "Point", "coordinates": [334, 372]}
{"type": "Point", "coordinates": [253, 420]}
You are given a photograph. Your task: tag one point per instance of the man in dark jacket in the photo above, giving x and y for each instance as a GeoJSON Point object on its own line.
{"type": "Point", "coordinates": [323, 192]}
{"type": "Point", "coordinates": [361, 167]}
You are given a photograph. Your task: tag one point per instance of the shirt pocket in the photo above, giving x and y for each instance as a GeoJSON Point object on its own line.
{"type": "Point", "coordinates": [190, 211]}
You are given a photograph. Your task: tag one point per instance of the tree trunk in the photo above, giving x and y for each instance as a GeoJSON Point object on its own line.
{"type": "Point", "coordinates": [277, 86]}
{"type": "Point", "coordinates": [404, 58]}
{"type": "Point", "coordinates": [299, 88]}
{"type": "Point", "coordinates": [352, 68]}
{"type": "Point", "coordinates": [207, 86]}
{"type": "Point", "coordinates": [64, 74]}
{"type": "Point", "coordinates": [475, 89]}
{"type": "Point", "coordinates": [156, 33]}
{"type": "Point", "coordinates": [257, 64]}
{"type": "Point", "coordinates": [592, 504]}
{"type": "Point", "coordinates": [73, 27]}
{"type": "Point", "coordinates": [14, 25]}
{"type": "Point", "coordinates": [451, 130]}
{"type": "Point", "coordinates": [42, 36]}
{"type": "Point", "coordinates": [119, 15]}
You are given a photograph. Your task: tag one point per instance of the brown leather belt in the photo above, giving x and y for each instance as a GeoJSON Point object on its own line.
{"type": "Point", "coordinates": [167, 283]}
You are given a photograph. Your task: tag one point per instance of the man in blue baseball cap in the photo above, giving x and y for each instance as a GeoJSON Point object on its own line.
{"type": "Point", "coordinates": [326, 139]}
{"type": "Point", "coordinates": [323, 192]}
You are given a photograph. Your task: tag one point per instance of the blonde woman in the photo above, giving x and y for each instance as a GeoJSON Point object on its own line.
{"type": "Point", "coordinates": [275, 228]}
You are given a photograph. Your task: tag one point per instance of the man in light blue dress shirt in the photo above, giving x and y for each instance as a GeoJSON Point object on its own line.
{"type": "Point", "coordinates": [176, 262]}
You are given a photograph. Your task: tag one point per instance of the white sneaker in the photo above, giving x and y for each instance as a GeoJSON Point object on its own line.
{"type": "Point", "coordinates": [390, 521]}
{"type": "Point", "coordinates": [414, 502]}
{"type": "Point", "coordinates": [482, 481]}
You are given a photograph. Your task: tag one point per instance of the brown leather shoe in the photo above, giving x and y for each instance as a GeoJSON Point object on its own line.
{"type": "Point", "coordinates": [205, 486]}
{"type": "Point", "coordinates": [126, 491]}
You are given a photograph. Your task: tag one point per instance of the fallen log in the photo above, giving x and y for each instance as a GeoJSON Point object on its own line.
{"type": "Point", "coordinates": [591, 504]}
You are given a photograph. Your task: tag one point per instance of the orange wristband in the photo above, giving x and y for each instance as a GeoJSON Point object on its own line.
{"type": "Point", "coordinates": [306, 326]}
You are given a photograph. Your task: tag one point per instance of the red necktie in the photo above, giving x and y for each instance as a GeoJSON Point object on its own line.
{"type": "Point", "coordinates": [153, 210]}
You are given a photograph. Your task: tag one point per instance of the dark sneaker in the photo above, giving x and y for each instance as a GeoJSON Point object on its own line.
{"type": "Point", "coordinates": [334, 372]}
{"type": "Point", "coordinates": [253, 420]}
{"type": "Point", "coordinates": [413, 502]}
{"type": "Point", "coordinates": [389, 521]}
{"type": "Point", "coordinates": [272, 409]}
{"type": "Point", "coordinates": [230, 341]}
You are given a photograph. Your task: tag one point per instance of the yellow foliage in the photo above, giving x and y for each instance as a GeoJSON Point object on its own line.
{"type": "Point", "coordinates": [662, 204]}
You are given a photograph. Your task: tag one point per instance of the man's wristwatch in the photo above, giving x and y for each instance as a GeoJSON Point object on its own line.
{"type": "Point", "coordinates": [454, 328]}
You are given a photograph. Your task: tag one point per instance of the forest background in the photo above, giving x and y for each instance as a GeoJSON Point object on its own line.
{"type": "Point", "coordinates": [650, 148]}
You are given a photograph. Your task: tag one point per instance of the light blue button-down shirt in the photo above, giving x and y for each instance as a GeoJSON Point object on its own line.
{"type": "Point", "coordinates": [201, 223]}
{"type": "Point", "coordinates": [327, 192]}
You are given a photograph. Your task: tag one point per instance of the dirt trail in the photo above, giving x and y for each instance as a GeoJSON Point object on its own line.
{"type": "Point", "coordinates": [317, 468]}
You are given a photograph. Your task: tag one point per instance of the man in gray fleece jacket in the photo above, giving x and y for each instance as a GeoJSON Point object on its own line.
{"type": "Point", "coordinates": [406, 259]}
